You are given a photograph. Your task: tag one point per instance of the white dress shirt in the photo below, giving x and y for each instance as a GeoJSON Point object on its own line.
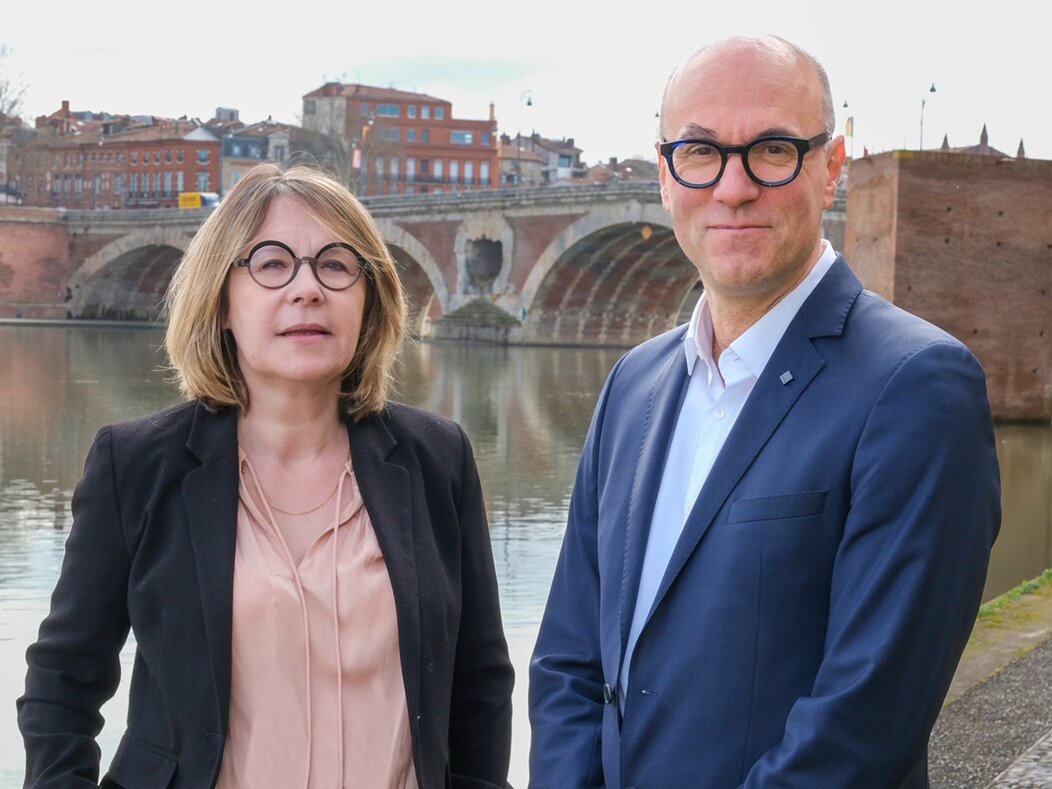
{"type": "Point", "coordinates": [715, 397]}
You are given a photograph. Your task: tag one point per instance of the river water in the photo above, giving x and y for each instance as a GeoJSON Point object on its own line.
{"type": "Point", "coordinates": [526, 411]}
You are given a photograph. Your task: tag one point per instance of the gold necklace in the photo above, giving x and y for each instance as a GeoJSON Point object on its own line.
{"type": "Point", "coordinates": [320, 504]}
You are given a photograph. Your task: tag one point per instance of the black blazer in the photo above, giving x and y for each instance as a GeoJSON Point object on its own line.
{"type": "Point", "coordinates": [152, 548]}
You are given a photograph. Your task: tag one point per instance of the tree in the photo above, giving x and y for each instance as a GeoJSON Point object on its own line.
{"type": "Point", "coordinates": [12, 90]}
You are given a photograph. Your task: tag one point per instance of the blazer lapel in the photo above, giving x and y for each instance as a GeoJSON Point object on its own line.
{"type": "Point", "coordinates": [210, 495]}
{"type": "Point", "coordinates": [823, 314]}
{"type": "Point", "coordinates": [386, 490]}
{"type": "Point", "coordinates": [662, 408]}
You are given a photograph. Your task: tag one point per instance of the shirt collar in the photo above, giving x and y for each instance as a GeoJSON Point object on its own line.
{"type": "Point", "coordinates": [757, 344]}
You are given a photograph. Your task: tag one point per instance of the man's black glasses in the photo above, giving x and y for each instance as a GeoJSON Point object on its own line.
{"type": "Point", "coordinates": [769, 161]}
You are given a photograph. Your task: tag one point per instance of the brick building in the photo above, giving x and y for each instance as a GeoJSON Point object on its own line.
{"type": "Point", "coordinates": [965, 241]}
{"type": "Point", "coordinates": [562, 159]}
{"type": "Point", "coordinates": [96, 160]}
{"type": "Point", "coordinates": [400, 142]}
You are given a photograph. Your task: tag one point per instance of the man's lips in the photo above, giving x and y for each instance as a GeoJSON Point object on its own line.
{"type": "Point", "coordinates": [304, 330]}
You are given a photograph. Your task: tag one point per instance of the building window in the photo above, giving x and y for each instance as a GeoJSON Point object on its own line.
{"type": "Point", "coordinates": [156, 183]}
{"type": "Point", "coordinates": [439, 169]}
{"type": "Point", "coordinates": [363, 108]}
{"type": "Point", "coordinates": [168, 183]}
{"type": "Point", "coordinates": [394, 168]}
{"type": "Point", "coordinates": [179, 156]}
{"type": "Point", "coordinates": [202, 157]}
{"type": "Point", "coordinates": [454, 170]}
{"type": "Point", "coordinates": [308, 106]}
{"type": "Point", "coordinates": [469, 172]}
{"type": "Point", "coordinates": [410, 135]}
{"type": "Point", "coordinates": [410, 111]}
{"type": "Point", "coordinates": [410, 169]}
{"type": "Point", "coordinates": [179, 181]}
{"type": "Point", "coordinates": [425, 136]}
{"type": "Point", "coordinates": [134, 157]}
{"type": "Point", "coordinates": [168, 156]}
{"type": "Point", "coordinates": [425, 113]}
{"type": "Point", "coordinates": [279, 153]}
{"type": "Point", "coordinates": [484, 173]}
{"type": "Point", "coordinates": [202, 182]}
{"type": "Point", "coordinates": [118, 184]}
{"type": "Point", "coordinates": [565, 161]}
{"type": "Point", "coordinates": [425, 168]}
{"type": "Point", "coordinates": [388, 111]}
{"type": "Point", "coordinates": [135, 183]}
{"type": "Point", "coordinates": [390, 134]}
{"type": "Point", "coordinates": [157, 157]}
{"type": "Point", "coordinates": [462, 138]}
{"type": "Point", "coordinates": [440, 113]}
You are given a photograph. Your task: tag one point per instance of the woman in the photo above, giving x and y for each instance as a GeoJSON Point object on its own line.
{"type": "Point", "coordinates": [305, 566]}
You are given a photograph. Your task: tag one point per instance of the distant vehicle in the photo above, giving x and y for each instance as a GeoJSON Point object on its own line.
{"type": "Point", "coordinates": [198, 199]}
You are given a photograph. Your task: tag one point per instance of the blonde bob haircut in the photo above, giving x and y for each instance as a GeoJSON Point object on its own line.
{"type": "Point", "coordinates": [203, 355]}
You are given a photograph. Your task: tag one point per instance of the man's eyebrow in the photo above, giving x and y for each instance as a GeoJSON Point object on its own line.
{"type": "Point", "coordinates": [693, 131]}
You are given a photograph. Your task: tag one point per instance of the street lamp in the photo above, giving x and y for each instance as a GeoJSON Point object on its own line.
{"type": "Point", "coordinates": [524, 98]}
{"type": "Point", "coordinates": [930, 90]}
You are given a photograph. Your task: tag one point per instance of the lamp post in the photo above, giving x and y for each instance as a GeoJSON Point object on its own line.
{"type": "Point", "coordinates": [930, 90]}
{"type": "Point", "coordinates": [524, 98]}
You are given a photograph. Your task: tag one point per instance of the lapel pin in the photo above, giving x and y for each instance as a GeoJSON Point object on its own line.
{"type": "Point", "coordinates": [785, 377]}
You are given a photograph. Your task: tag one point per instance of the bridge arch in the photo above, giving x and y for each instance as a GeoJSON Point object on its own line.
{"type": "Point", "coordinates": [614, 277]}
{"type": "Point", "coordinates": [127, 279]}
{"type": "Point", "coordinates": [425, 287]}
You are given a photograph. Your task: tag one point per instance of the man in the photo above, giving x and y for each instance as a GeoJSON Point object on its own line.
{"type": "Point", "coordinates": [783, 513]}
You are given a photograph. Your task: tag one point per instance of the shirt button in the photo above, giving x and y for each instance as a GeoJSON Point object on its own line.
{"type": "Point", "coordinates": [719, 413]}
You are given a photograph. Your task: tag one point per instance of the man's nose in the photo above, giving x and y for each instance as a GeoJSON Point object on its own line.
{"type": "Point", "coordinates": [735, 186]}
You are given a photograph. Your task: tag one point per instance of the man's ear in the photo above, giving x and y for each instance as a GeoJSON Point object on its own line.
{"type": "Point", "coordinates": [664, 177]}
{"type": "Point", "coordinates": [835, 168]}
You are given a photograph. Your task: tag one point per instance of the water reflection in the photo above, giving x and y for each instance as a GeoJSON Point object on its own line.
{"type": "Point", "coordinates": [525, 409]}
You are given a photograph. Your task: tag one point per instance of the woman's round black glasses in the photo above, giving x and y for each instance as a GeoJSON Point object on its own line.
{"type": "Point", "coordinates": [272, 264]}
{"type": "Point", "coordinates": [769, 161]}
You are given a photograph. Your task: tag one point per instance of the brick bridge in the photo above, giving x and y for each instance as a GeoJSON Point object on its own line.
{"type": "Point", "coordinates": [588, 265]}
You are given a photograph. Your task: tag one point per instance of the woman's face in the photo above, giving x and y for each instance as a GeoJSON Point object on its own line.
{"type": "Point", "coordinates": [302, 333]}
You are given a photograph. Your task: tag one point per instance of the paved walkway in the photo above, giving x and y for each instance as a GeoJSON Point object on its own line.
{"type": "Point", "coordinates": [995, 731]}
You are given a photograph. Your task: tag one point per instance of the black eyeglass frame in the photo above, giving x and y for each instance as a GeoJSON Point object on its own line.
{"type": "Point", "coordinates": [363, 264]}
{"type": "Point", "coordinates": [802, 146]}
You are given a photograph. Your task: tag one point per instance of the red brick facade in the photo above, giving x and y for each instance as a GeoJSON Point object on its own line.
{"type": "Point", "coordinates": [966, 242]}
{"type": "Point", "coordinates": [92, 165]}
{"type": "Point", "coordinates": [405, 143]}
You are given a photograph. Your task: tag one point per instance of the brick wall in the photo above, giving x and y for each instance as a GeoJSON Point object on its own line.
{"type": "Point", "coordinates": [965, 241]}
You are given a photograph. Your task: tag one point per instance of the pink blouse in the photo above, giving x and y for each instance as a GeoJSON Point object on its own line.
{"type": "Point", "coordinates": [317, 699]}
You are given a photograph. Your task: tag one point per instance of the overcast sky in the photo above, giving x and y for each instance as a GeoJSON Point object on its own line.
{"type": "Point", "coordinates": [593, 72]}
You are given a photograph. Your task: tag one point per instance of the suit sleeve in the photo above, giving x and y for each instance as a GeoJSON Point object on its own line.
{"type": "Point", "coordinates": [566, 673]}
{"type": "Point", "coordinates": [74, 668]}
{"type": "Point", "coordinates": [907, 581]}
{"type": "Point", "coordinates": [480, 713]}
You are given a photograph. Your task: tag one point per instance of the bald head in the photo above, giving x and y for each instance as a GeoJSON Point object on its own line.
{"type": "Point", "coordinates": [778, 53]}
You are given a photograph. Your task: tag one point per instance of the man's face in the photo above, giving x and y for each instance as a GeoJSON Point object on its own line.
{"type": "Point", "coordinates": [751, 244]}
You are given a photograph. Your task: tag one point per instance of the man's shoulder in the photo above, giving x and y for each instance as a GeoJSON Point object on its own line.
{"type": "Point", "coordinates": [657, 350]}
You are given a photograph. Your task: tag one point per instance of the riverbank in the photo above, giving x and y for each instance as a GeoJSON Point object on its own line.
{"type": "Point", "coordinates": [994, 730]}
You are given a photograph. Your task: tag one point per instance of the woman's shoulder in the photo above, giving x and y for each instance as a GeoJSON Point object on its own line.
{"type": "Point", "coordinates": [407, 422]}
{"type": "Point", "coordinates": [151, 426]}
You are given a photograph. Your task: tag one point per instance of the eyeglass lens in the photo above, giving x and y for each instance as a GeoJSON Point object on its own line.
{"type": "Point", "coordinates": [768, 160]}
{"type": "Point", "coordinates": [336, 267]}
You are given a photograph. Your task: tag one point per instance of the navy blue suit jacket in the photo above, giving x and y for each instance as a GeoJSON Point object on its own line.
{"type": "Point", "coordinates": [152, 549]}
{"type": "Point", "coordinates": [813, 611]}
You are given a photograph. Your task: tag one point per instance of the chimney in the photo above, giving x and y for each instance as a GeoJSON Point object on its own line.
{"type": "Point", "coordinates": [613, 162]}
{"type": "Point", "coordinates": [492, 114]}
{"type": "Point", "coordinates": [65, 106]}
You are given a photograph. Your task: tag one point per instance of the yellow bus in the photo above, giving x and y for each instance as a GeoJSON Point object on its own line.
{"type": "Point", "coordinates": [197, 199]}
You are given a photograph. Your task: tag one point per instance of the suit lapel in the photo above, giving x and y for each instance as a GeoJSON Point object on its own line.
{"type": "Point", "coordinates": [210, 496]}
{"type": "Point", "coordinates": [387, 492]}
{"type": "Point", "coordinates": [823, 314]}
{"type": "Point", "coordinates": [663, 404]}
